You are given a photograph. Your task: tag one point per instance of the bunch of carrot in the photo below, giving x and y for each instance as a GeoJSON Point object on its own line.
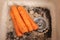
{"type": "Point", "coordinates": [22, 21]}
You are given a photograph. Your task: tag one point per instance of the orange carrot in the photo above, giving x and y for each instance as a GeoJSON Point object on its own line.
{"type": "Point", "coordinates": [22, 27]}
{"type": "Point", "coordinates": [35, 26]}
{"type": "Point", "coordinates": [18, 33]}
{"type": "Point", "coordinates": [24, 13]}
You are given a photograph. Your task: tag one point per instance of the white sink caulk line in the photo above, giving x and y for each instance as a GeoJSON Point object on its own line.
{"type": "Point", "coordinates": [4, 17]}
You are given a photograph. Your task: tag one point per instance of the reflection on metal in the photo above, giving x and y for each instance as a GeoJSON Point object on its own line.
{"type": "Point", "coordinates": [42, 23]}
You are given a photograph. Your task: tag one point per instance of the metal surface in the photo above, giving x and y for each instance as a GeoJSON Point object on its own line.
{"type": "Point", "coordinates": [42, 23]}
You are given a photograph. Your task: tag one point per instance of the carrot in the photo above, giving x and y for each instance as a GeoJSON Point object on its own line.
{"type": "Point", "coordinates": [24, 13]}
{"type": "Point", "coordinates": [35, 26]}
{"type": "Point", "coordinates": [22, 27]}
{"type": "Point", "coordinates": [18, 33]}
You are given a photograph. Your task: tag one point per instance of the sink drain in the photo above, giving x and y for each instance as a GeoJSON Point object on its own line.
{"type": "Point", "coordinates": [42, 23]}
